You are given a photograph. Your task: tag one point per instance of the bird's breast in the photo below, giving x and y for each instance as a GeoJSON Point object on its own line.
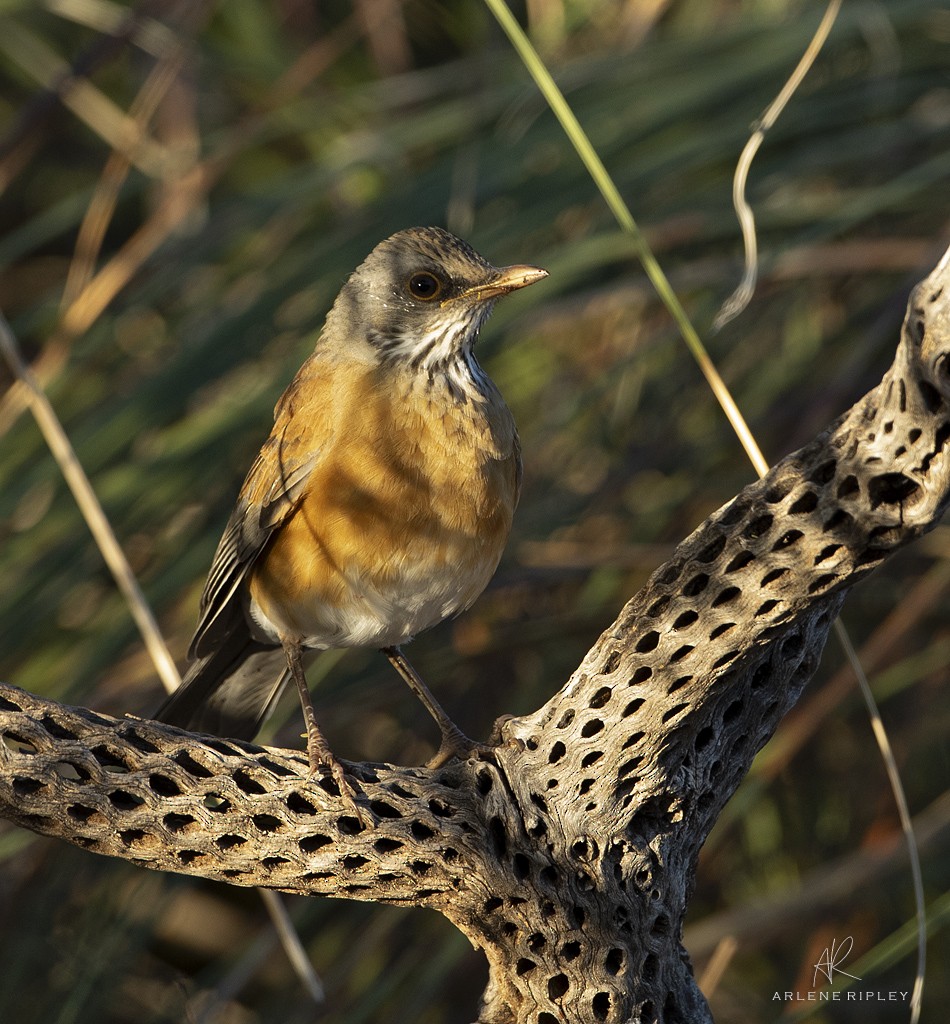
{"type": "Point", "coordinates": [402, 521]}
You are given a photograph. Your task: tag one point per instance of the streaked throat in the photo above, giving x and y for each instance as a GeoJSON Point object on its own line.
{"type": "Point", "coordinates": [443, 354]}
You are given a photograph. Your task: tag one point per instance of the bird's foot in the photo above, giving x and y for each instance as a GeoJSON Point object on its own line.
{"type": "Point", "coordinates": [322, 762]}
{"type": "Point", "coordinates": [456, 744]}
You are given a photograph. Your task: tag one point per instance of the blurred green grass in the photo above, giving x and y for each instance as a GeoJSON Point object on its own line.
{"type": "Point", "coordinates": [168, 394]}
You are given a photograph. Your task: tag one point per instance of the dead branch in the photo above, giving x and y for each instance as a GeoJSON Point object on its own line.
{"type": "Point", "coordinates": [567, 855]}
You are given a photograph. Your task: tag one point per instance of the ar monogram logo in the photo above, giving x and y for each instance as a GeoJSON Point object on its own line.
{"type": "Point", "coordinates": [829, 967]}
{"type": "Point", "coordinates": [831, 960]}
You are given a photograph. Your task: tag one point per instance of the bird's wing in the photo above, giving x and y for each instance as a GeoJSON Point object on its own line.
{"type": "Point", "coordinates": [271, 491]}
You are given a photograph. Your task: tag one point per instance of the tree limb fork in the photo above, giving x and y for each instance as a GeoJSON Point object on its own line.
{"type": "Point", "coordinates": [567, 854]}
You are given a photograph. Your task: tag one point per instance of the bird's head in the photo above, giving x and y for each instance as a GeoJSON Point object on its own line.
{"type": "Point", "coordinates": [420, 298]}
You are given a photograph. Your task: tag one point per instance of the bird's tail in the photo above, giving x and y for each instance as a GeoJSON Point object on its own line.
{"type": "Point", "coordinates": [230, 691]}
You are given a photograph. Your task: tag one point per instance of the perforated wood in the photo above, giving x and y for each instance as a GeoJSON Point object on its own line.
{"type": "Point", "coordinates": [568, 854]}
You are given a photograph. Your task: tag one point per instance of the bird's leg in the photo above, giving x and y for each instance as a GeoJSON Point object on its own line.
{"type": "Point", "coordinates": [454, 742]}
{"type": "Point", "coordinates": [319, 753]}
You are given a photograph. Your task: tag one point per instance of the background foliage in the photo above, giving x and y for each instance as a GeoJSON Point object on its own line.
{"type": "Point", "coordinates": [178, 214]}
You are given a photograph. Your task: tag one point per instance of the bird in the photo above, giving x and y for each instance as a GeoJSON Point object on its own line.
{"type": "Point", "coordinates": [379, 505]}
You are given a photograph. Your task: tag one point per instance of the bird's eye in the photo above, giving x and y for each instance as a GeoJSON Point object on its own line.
{"type": "Point", "coordinates": [424, 286]}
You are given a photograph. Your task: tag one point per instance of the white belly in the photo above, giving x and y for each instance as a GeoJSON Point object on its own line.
{"type": "Point", "coordinates": [374, 616]}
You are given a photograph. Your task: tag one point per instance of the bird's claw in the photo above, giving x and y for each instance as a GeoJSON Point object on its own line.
{"type": "Point", "coordinates": [456, 744]}
{"type": "Point", "coordinates": [322, 762]}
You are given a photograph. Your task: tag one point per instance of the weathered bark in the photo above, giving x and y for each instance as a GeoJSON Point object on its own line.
{"type": "Point", "coordinates": [567, 854]}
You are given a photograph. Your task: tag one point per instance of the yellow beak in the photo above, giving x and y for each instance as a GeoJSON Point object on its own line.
{"type": "Point", "coordinates": [508, 279]}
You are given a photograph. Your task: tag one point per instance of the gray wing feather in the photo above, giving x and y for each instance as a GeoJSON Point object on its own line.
{"type": "Point", "coordinates": [245, 537]}
{"type": "Point", "coordinates": [234, 679]}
